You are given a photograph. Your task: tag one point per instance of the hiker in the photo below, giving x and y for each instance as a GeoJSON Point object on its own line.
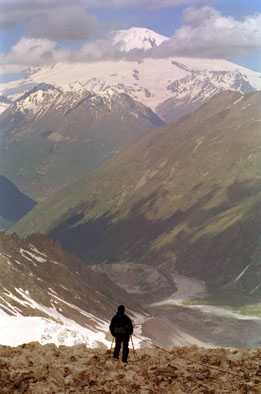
{"type": "Point", "coordinates": [121, 329]}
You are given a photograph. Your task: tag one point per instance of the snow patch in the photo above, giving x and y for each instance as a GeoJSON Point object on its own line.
{"type": "Point", "coordinates": [32, 257]}
{"type": "Point", "coordinates": [255, 289]}
{"type": "Point", "coordinates": [242, 273]}
{"type": "Point", "coordinates": [55, 328]}
{"type": "Point", "coordinates": [187, 289]}
{"type": "Point", "coordinates": [17, 330]}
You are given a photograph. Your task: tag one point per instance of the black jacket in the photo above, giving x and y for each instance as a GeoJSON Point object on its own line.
{"type": "Point", "coordinates": [121, 324]}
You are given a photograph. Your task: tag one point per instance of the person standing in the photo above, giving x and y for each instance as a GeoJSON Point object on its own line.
{"type": "Point", "coordinates": [121, 329]}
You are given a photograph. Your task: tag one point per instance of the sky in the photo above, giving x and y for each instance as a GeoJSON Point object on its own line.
{"type": "Point", "coordinates": [38, 32]}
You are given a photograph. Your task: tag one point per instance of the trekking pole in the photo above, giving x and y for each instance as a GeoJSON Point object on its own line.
{"type": "Point", "coordinates": [134, 352]}
{"type": "Point", "coordinates": [112, 342]}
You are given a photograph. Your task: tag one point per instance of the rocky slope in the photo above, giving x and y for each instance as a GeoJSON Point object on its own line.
{"type": "Point", "coordinates": [46, 369]}
{"type": "Point", "coordinates": [50, 296]}
{"type": "Point", "coordinates": [185, 198]}
{"type": "Point", "coordinates": [47, 295]}
{"type": "Point", "coordinates": [49, 136]}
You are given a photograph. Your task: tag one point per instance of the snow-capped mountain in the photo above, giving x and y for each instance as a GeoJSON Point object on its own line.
{"type": "Point", "coordinates": [54, 126]}
{"type": "Point", "coordinates": [46, 97]}
{"type": "Point", "coordinates": [175, 83]}
{"type": "Point", "coordinates": [136, 38]}
{"type": "Point", "coordinates": [150, 81]}
{"type": "Point", "coordinates": [190, 92]}
{"type": "Point", "coordinates": [102, 106]}
{"type": "Point", "coordinates": [49, 296]}
{"type": "Point", "coordinates": [37, 101]}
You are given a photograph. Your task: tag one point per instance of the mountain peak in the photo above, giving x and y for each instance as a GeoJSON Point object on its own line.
{"type": "Point", "coordinates": [136, 38]}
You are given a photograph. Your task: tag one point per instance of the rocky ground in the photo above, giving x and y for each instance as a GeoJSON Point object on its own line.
{"type": "Point", "coordinates": [37, 369]}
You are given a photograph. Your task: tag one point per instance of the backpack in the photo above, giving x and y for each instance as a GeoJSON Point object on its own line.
{"type": "Point", "coordinates": [121, 327]}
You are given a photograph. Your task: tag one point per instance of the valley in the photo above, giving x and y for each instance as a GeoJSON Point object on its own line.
{"type": "Point", "coordinates": [48, 296]}
{"type": "Point", "coordinates": [171, 212]}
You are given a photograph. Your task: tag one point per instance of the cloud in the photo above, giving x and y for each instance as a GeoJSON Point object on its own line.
{"type": "Point", "coordinates": [195, 16]}
{"type": "Point", "coordinates": [54, 20]}
{"type": "Point", "coordinates": [98, 50]}
{"type": "Point", "coordinates": [68, 19]}
{"type": "Point", "coordinates": [17, 10]}
{"type": "Point", "coordinates": [60, 20]}
{"type": "Point", "coordinates": [72, 23]}
{"type": "Point", "coordinates": [32, 52]}
{"type": "Point", "coordinates": [148, 4]}
{"type": "Point", "coordinates": [206, 32]}
{"type": "Point", "coordinates": [11, 69]}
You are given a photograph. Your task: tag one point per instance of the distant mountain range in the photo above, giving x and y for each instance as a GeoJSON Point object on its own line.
{"type": "Point", "coordinates": [67, 118]}
{"type": "Point", "coordinates": [149, 80]}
